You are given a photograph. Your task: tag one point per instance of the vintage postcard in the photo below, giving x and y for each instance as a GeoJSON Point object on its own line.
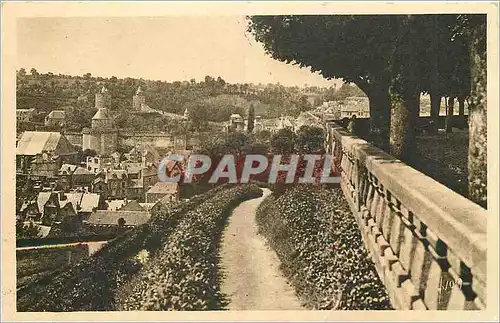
{"type": "Point", "coordinates": [222, 161]}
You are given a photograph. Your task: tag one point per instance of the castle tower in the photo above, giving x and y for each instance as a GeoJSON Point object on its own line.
{"type": "Point", "coordinates": [103, 99]}
{"type": "Point", "coordinates": [101, 120]}
{"type": "Point", "coordinates": [102, 136]}
{"type": "Point", "coordinates": [138, 100]}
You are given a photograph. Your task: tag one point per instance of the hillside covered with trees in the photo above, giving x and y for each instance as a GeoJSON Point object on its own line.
{"type": "Point", "coordinates": [211, 99]}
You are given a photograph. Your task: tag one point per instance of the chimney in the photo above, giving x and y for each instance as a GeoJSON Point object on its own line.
{"type": "Point", "coordinates": [62, 196]}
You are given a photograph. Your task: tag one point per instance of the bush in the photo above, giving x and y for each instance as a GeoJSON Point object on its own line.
{"type": "Point", "coordinates": [184, 274]}
{"type": "Point", "coordinates": [321, 250]}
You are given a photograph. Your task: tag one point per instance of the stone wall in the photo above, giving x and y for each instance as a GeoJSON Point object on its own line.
{"type": "Point", "coordinates": [428, 243]}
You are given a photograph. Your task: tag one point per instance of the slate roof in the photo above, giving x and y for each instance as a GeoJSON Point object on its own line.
{"type": "Point", "coordinates": [36, 142]}
{"type": "Point", "coordinates": [101, 217]}
{"type": "Point", "coordinates": [82, 171]}
{"type": "Point", "coordinates": [101, 114]}
{"type": "Point", "coordinates": [67, 169]}
{"type": "Point", "coordinates": [88, 201]}
{"type": "Point", "coordinates": [114, 205]}
{"type": "Point", "coordinates": [57, 114]}
{"type": "Point", "coordinates": [132, 206]}
{"type": "Point", "coordinates": [42, 198]}
{"type": "Point", "coordinates": [163, 187]}
{"type": "Point", "coordinates": [147, 206]}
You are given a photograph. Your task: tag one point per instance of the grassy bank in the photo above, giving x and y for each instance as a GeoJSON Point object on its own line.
{"type": "Point", "coordinates": [321, 250]}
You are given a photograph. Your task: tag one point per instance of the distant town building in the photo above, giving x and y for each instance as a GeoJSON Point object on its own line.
{"type": "Point", "coordinates": [43, 153]}
{"type": "Point", "coordinates": [138, 100]}
{"type": "Point", "coordinates": [54, 206]}
{"type": "Point", "coordinates": [56, 118]}
{"type": "Point", "coordinates": [102, 136]}
{"type": "Point", "coordinates": [161, 190]}
{"type": "Point", "coordinates": [236, 123]}
{"type": "Point", "coordinates": [335, 110]}
{"type": "Point", "coordinates": [285, 122]}
{"type": "Point", "coordinates": [103, 99]}
{"type": "Point", "coordinates": [119, 218]}
{"type": "Point", "coordinates": [76, 176]}
{"type": "Point", "coordinates": [24, 115]}
{"type": "Point", "coordinates": [307, 119]}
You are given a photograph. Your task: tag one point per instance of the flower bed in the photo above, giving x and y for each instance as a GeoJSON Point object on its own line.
{"type": "Point", "coordinates": [92, 283]}
{"type": "Point", "coordinates": [318, 241]}
{"type": "Point", "coordinates": [184, 274]}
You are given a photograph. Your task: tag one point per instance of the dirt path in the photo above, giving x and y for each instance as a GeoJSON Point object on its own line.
{"type": "Point", "coordinates": [251, 276]}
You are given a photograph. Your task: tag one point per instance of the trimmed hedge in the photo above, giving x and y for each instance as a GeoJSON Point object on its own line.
{"type": "Point", "coordinates": [92, 283]}
{"type": "Point", "coordinates": [321, 250]}
{"type": "Point", "coordinates": [184, 275]}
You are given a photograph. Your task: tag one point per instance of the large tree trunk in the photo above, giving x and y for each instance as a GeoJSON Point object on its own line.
{"type": "Point", "coordinates": [477, 121]}
{"type": "Point", "coordinates": [435, 108]}
{"type": "Point", "coordinates": [461, 111]}
{"type": "Point", "coordinates": [449, 114]}
{"type": "Point", "coordinates": [380, 115]}
{"type": "Point", "coordinates": [461, 105]}
{"type": "Point", "coordinates": [434, 90]}
{"type": "Point", "coordinates": [404, 119]}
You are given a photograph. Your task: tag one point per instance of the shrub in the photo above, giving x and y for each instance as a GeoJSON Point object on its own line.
{"type": "Point", "coordinates": [184, 274]}
{"type": "Point", "coordinates": [318, 241]}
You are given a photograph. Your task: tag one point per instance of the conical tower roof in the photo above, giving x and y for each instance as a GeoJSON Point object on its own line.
{"type": "Point", "coordinates": [101, 114]}
{"type": "Point", "coordinates": [104, 89]}
{"type": "Point", "coordinates": [139, 91]}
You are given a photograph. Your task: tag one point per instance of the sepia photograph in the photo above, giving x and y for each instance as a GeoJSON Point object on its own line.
{"type": "Point", "coordinates": [250, 160]}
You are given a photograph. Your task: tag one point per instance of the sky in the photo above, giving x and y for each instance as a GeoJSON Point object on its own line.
{"type": "Point", "coordinates": [156, 48]}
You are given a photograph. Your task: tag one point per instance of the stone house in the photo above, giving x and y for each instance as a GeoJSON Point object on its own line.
{"type": "Point", "coordinates": [56, 118]}
{"type": "Point", "coordinates": [43, 153]}
{"type": "Point", "coordinates": [163, 191]}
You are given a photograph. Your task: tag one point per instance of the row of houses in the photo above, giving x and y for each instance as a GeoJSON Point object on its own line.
{"type": "Point", "coordinates": [238, 123]}
{"type": "Point", "coordinates": [65, 190]}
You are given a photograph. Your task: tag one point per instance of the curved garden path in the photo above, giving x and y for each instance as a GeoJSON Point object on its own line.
{"type": "Point", "coordinates": [251, 276]}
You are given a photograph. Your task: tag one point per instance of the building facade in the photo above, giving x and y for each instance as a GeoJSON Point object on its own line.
{"type": "Point", "coordinates": [24, 115]}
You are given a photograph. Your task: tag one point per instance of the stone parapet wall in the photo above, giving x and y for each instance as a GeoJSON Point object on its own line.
{"type": "Point", "coordinates": [428, 243]}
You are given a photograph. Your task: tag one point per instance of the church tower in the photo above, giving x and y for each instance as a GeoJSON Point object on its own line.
{"type": "Point", "coordinates": [103, 99]}
{"type": "Point", "coordinates": [138, 100]}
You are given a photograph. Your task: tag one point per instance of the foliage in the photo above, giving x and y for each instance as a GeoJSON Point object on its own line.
{"type": "Point", "coordinates": [184, 274]}
{"type": "Point", "coordinates": [309, 139]}
{"type": "Point", "coordinates": [251, 119]}
{"type": "Point", "coordinates": [219, 99]}
{"type": "Point", "coordinates": [283, 141]}
{"type": "Point", "coordinates": [26, 231]}
{"type": "Point", "coordinates": [321, 250]}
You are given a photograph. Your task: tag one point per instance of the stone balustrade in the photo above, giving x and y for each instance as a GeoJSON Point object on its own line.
{"type": "Point", "coordinates": [428, 243]}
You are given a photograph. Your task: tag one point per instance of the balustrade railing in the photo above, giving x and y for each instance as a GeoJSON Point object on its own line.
{"type": "Point", "coordinates": [428, 243]}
